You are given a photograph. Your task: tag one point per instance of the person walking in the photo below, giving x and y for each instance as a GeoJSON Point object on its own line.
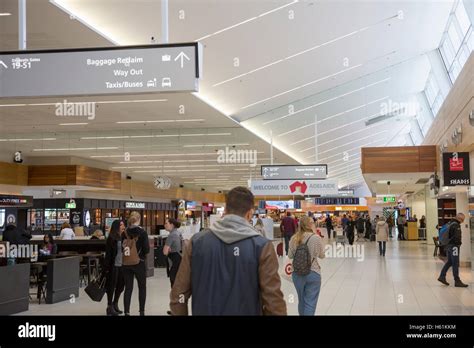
{"type": "Point", "coordinates": [368, 227]}
{"type": "Point", "coordinates": [390, 225]}
{"type": "Point", "coordinates": [173, 247]}
{"type": "Point", "coordinates": [288, 228]}
{"type": "Point", "coordinates": [307, 281]}
{"type": "Point", "coordinates": [423, 222]}
{"type": "Point", "coordinates": [344, 221]}
{"type": "Point", "coordinates": [114, 283]}
{"type": "Point", "coordinates": [350, 230]}
{"type": "Point", "coordinates": [259, 227]}
{"type": "Point", "coordinates": [453, 248]}
{"type": "Point", "coordinates": [229, 269]}
{"type": "Point", "coordinates": [360, 225]}
{"type": "Point", "coordinates": [135, 248]}
{"type": "Point", "coordinates": [329, 226]}
{"type": "Point", "coordinates": [400, 227]}
{"type": "Point", "coordinates": [381, 235]}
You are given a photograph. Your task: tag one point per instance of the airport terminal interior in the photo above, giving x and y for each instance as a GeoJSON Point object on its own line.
{"type": "Point", "coordinates": [355, 118]}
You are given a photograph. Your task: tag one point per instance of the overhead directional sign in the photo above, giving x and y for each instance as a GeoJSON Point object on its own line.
{"type": "Point", "coordinates": [274, 172]}
{"type": "Point", "coordinates": [100, 71]}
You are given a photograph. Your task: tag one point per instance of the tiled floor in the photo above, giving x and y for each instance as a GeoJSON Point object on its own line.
{"type": "Point", "coordinates": [404, 282]}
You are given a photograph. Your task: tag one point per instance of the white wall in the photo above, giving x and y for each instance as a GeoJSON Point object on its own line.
{"type": "Point", "coordinates": [417, 204]}
{"type": "Point", "coordinates": [431, 205]}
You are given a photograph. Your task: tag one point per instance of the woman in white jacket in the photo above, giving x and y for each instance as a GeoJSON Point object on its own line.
{"type": "Point", "coordinates": [381, 230]}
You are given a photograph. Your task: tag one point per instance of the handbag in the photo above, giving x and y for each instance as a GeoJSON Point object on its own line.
{"type": "Point", "coordinates": [96, 289]}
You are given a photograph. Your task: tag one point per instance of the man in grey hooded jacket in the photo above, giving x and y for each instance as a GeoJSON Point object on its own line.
{"type": "Point", "coordinates": [229, 269]}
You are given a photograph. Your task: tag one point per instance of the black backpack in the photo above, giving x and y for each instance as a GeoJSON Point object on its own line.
{"type": "Point", "coordinates": [302, 260]}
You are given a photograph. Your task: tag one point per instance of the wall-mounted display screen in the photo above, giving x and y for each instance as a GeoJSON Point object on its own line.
{"type": "Point", "coordinates": [279, 205]}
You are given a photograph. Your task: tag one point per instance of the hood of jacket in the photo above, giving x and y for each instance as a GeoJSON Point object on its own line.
{"type": "Point", "coordinates": [134, 231]}
{"type": "Point", "coordinates": [233, 228]}
{"type": "Point", "coordinates": [381, 223]}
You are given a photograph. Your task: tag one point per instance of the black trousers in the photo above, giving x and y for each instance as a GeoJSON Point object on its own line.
{"type": "Point", "coordinates": [139, 272]}
{"type": "Point", "coordinates": [287, 242]}
{"type": "Point", "coordinates": [401, 232]}
{"type": "Point", "coordinates": [114, 285]}
{"type": "Point", "coordinates": [173, 270]}
{"type": "Point", "coordinates": [350, 238]}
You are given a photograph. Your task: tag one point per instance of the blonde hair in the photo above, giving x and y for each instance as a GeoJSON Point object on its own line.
{"type": "Point", "coordinates": [134, 218]}
{"type": "Point", "coordinates": [304, 226]}
{"type": "Point", "coordinates": [65, 225]}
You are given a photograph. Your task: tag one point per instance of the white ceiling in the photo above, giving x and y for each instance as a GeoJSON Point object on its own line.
{"type": "Point", "coordinates": [338, 60]}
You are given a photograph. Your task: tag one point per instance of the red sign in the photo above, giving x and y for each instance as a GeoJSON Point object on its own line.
{"type": "Point", "coordinates": [289, 269]}
{"type": "Point", "coordinates": [456, 165]}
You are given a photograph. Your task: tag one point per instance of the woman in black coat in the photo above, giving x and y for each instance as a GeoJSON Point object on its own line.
{"type": "Point", "coordinates": [113, 267]}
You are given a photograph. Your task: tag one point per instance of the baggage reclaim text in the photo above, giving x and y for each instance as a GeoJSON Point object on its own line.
{"type": "Point", "coordinates": [126, 61]}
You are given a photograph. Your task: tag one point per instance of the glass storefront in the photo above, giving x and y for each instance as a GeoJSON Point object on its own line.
{"type": "Point", "coordinates": [48, 219]}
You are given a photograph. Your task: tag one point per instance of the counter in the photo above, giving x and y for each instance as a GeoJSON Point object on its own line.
{"type": "Point", "coordinates": [412, 230]}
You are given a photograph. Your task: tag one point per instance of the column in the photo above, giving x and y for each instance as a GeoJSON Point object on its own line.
{"type": "Point", "coordinates": [431, 216]}
{"type": "Point", "coordinates": [462, 206]}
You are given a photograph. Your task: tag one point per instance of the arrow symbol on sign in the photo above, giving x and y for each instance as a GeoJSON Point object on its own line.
{"type": "Point", "coordinates": [181, 56]}
{"type": "Point", "coordinates": [2, 63]}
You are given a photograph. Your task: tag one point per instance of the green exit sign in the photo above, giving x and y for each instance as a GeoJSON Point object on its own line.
{"type": "Point", "coordinates": [70, 205]}
{"type": "Point", "coordinates": [390, 199]}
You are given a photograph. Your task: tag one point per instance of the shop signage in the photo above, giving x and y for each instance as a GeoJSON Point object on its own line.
{"type": "Point", "coordinates": [273, 172]}
{"type": "Point", "coordinates": [134, 205]}
{"type": "Point", "coordinates": [8, 201]}
{"type": "Point", "coordinates": [290, 187]}
{"type": "Point", "coordinates": [101, 71]}
{"type": "Point", "coordinates": [336, 201]}
{"type": "Point", "coordinates": [456, 169]}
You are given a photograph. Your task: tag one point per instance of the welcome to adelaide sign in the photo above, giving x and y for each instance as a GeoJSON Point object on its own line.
{"type": "Point", "coordinates": [293, 187]}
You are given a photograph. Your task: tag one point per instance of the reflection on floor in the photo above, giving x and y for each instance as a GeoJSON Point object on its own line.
{"type": "Point", "coordinates": [402, 283]}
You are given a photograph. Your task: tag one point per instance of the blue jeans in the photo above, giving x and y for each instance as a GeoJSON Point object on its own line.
{"type": "Point", "coordinates": [453, 260]}
{"type": "Point", "coordinates": [307, 288]}
{"type": "Point", "coordinates": [287, 243]}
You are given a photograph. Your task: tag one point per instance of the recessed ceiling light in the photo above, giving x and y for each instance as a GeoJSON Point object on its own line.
{"type": "Point", "coordinates": [91, 101]}
{"type": "Point", "coordinates": [304, 51]}
{"type": "Point", "coordinates": [73, 124]}
{"type": "Point", "coordinates": [245, 21]}
{"type": "Point", "coordinates": [163, 121]}
{"type": "Point", "coordinates": [40, 139]}
{"type": "Point", "coordinates": [215, 145]}
{"type": "Point", "coordinates": [301, 86]}
{"type": "Point", "coordinates": [153, 136]}
{"type": "Point", "coordinates": [4, 14]}
{"type": "Point", "coordinates": [77, 149]}
{"type": "Point", "coordinates": [326, 101]}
